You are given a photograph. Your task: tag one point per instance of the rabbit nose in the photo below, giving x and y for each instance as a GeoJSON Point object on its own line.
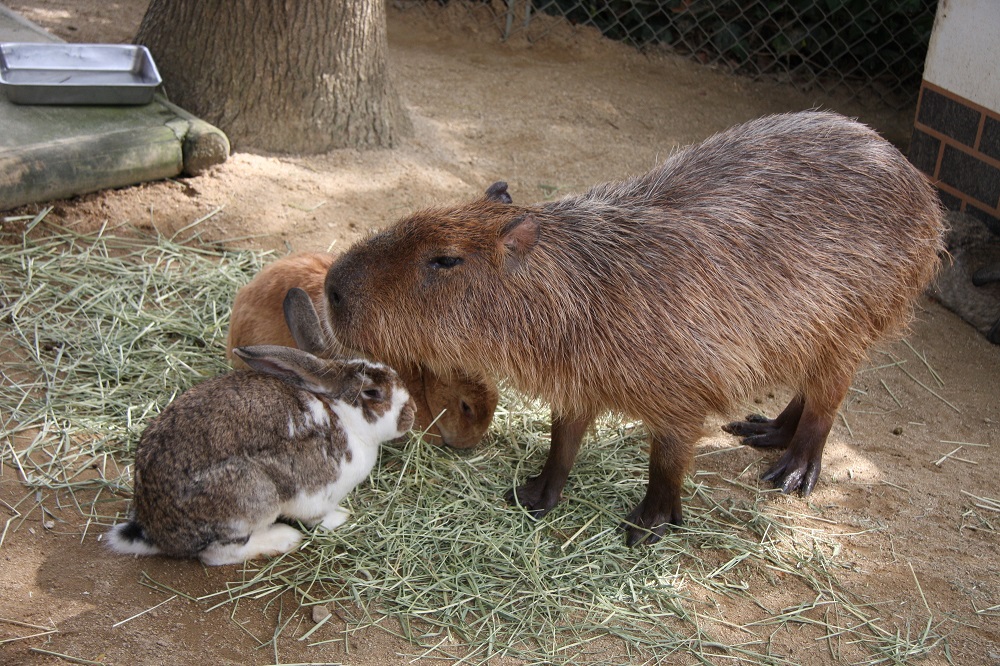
{"type": "Point", "coordinates": [407, 416]}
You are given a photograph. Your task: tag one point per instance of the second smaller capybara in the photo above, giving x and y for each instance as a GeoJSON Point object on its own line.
{"type": "Point", "coordinates": [453, 408]}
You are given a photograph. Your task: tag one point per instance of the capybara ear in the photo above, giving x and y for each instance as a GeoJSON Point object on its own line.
{"type": "Point", "coordinates": [519, 237]}
{"type": "Point", "coordinates": [498, 192]}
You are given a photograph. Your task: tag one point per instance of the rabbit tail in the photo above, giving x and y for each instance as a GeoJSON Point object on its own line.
{"type": "Point", "coordinates": [130, 539]}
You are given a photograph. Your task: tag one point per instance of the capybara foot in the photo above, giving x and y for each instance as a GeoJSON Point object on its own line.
{"type": "Point", "coordinates": [537, 496]}
{"type": "Point", "coordinates": [764, 433]}
{"type": "Point", "coordinates": [648, 524]}
{"type": "Point", "coordinates": [994, 333]}
{"type": "Point", "coordinates": [755, 424]}
{"type": "Point", "coordinates": [760, 432]}
{"type": "Point", "coordinates": [792, 473]}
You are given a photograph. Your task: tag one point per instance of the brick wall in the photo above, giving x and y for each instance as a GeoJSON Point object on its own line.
{"type": "Point", "coordinates": [957, 143]}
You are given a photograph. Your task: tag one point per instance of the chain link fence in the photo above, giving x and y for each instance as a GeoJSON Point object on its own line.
{"type": "Point", "coordinates": [874, 50]}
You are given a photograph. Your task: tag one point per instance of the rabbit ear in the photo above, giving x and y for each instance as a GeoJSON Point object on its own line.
{"type": "Point", "coordinates": [303, 322]}
{"type": "Point", "coordinates": [298, 368]}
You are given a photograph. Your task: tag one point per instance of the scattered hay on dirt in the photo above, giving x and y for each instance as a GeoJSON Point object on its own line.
{"type": "Point", "coordinates": [99, 332]}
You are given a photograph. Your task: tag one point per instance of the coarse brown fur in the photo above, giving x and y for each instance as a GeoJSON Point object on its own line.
{"type": "Point", "coordinates": [451, 408]}
{"type": "Point", "coordinates": [257, 318]}
{"type": "Point", "coordinates": [774, 253]}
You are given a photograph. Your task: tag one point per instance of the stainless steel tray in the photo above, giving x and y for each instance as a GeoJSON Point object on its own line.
{"type": "Point", "coordinates": [54, 73]}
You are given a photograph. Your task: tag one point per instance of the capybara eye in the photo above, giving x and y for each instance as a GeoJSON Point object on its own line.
{"type": "Point", "coordinates": [445, 262]}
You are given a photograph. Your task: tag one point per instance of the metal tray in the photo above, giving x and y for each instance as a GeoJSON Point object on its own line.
{"type": "Point", "coordinates": [55, 73]}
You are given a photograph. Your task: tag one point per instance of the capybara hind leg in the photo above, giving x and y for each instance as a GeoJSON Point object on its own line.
{"type": "Point", "coordinates": [799, 466]}
{"type": "Point", "coordinates": [669, 458]}
{"type": "Point", "coordinates": [540, 493]}
{"type": "Point", "coordinates": [763, 432]}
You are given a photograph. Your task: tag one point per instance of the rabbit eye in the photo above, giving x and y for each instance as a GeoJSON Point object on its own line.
{"type": "Point", "coordinates": [372, 393]}
{"type": "Point", "coordinates": [445, 262]}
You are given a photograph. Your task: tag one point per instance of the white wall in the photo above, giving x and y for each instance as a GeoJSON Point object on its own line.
{"type": "Point", "coordinates": [964, 52]}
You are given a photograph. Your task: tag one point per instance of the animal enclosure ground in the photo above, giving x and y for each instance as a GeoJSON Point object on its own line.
{"type": "Point", "coordinates": [909, 471]}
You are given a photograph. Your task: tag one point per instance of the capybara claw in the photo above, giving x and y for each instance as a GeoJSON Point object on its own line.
{"type": "Point", "coordinates": [791, 477]}
{"type": "Point", "coordinates": [753, 425]}
{"type": "Point", "coordinates": [533, 497]}
{"type": "Point", "coordinates": [733, 428]}
{"type": "Point", "coordinates": [637, 535]}
{"type": "Point", "coordinates": [643, 526]}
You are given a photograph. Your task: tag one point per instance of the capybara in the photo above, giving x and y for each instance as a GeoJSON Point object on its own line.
{"type": "Point", "coordinates": [451, 407]}
{"type": "Point", "coordinates": [774, 253]}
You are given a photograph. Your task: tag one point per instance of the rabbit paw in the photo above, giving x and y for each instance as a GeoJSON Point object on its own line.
{"type": "Point", "coordinates": [277, 539]}
{"type": "Point", "coordinates": [335, 518]}
{"type": "Point", "coordinates": [273, 540]}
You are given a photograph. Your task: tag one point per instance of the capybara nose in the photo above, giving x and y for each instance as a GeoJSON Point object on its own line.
{"type": "Point", "coordinates": [334, 292]}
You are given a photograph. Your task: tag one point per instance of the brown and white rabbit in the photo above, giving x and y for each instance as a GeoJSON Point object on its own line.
{"type": "Point", "coordinates": [457, 409]}
{"type": "Point", "coordinates": [227, 458]}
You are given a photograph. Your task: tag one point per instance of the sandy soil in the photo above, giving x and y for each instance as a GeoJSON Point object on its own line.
{"type": "Point", "coordinates": [550, 118]}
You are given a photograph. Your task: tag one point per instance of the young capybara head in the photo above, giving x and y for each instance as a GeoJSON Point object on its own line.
{"type": "Point", "coordinates": [452, 408]}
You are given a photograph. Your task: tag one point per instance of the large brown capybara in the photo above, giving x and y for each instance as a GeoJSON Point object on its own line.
{"type": "Point", "coordinates": [452, 408]}
{"type": "Point", "coordinates": [774, 253]}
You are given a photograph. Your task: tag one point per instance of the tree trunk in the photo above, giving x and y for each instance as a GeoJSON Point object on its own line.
{"type": "Point", "coordinates": [283, 76]}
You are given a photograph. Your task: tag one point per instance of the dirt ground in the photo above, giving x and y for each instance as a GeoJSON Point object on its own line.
{"type": "Point", "coordinates": [550, 118]}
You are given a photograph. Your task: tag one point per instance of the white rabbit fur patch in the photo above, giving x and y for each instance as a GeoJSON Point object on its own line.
{"type": "Point", "coordinates": [314, 417]}
{"type": "Point", "coordinates": [322, 506]}
{"type": "Point", "coordinates": [270, 540]}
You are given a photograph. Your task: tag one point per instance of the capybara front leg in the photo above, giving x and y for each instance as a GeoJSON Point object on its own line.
{"type": "Point", "coordinates": [799, 466]}
{"type": "Point", "coordinates": [669, 457]}
{"type": "Point", "coordinates": [774, 433]}
{"type": "Point", "coordinates": [540, 493]}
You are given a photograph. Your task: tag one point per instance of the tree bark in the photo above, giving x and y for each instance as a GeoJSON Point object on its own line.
{"type": "Point", "coordinates": [282, 76]}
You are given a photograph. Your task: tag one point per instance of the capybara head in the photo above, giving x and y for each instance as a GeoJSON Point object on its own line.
{"type": "Point", "coordinates": [437, 287]}
{"type": "Point", "coordinates": [462, 406]}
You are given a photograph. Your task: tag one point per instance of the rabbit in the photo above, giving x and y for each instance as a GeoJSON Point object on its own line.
{"type": "Point", "coordinates": [227, 458]}
{"type": "Point", "coordinates": [455, 410]}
